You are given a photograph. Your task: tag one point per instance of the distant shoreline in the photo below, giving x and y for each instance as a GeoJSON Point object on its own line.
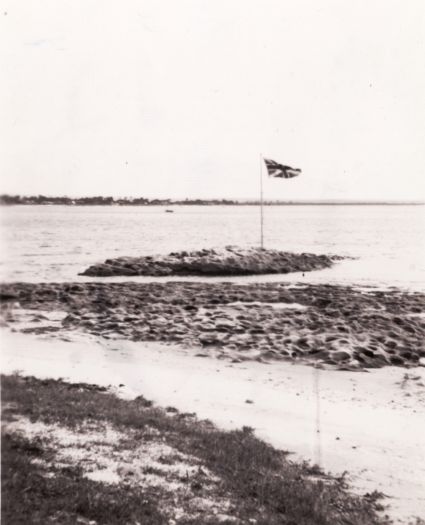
{"type": "Point", "coordinates": [41, 200]}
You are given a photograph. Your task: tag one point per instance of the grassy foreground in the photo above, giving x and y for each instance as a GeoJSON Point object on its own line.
{"type": "Point", "coordinates": [76, 454]}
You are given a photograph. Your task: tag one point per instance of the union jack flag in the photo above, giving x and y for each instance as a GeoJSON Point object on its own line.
{"type": "Point", "coordinates": [281, 171]}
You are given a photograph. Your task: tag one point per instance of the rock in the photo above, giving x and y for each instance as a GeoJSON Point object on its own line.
{"type": "Point", "coordinates": [396, 360]}
{"type": "Point", "coordinates": [211, 338]}
{"type": "Point", "coordinates": [226, 261]}
{"type": "Point", "coordinates": [103, 270]}
{"type": "Point", "coordinates": [340, 355]}
{"type": "Point", "coordinates": [8, 296]}
{"type": "Point", "coordinates": [241, 324]}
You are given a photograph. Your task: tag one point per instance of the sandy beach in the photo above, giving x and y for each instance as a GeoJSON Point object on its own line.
{"type": "Point", "coordinates": [366, 425]}
{"type": "Point", "coordinates": [249, 356]}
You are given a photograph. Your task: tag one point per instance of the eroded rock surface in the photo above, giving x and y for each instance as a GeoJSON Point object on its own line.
{"type": "Point", "coordinates": [327, 324]}
{"type": "Point", "coordinates": [227, 261]}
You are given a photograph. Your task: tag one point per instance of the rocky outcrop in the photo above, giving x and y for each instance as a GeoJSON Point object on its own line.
{"type": "Point", "coordinates": [327, 325]}
{"type": "Point", "coordinates": [227, 261]}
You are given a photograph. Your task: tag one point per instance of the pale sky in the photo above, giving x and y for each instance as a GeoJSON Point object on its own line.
{"type": "Point", "coordinates": [177, 98]}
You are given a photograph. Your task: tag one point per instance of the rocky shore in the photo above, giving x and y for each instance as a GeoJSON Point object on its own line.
{"type": "Point", "coordinates": [228, 261]}
{"type": "Point", "coordinates": [332, 326]}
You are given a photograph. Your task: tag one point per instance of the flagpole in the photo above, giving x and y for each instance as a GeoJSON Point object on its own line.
{"type": "Point", "coordinates": [261, 202]}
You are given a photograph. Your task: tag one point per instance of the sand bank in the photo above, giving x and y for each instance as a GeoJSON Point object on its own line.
{"type": "Point", "coordinates": [371, 424]}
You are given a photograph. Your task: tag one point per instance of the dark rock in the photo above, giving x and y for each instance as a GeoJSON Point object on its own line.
{"type": "Point", "coordinates": [227, 261]}
{"type": "Point", "coordinates": [396, 360]}
{"type": "Point", "coordinates": [8, 296]}
{"type": "Point", "coordinates": [340, 355]}
{"type": "Point", "coordinates": [182, 313]}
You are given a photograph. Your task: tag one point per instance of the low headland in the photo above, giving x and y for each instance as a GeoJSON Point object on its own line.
{"type": "Point", "coordinates": [231, 260]}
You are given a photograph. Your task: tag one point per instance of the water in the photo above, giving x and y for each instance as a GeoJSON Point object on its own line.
{"type": "Point", "coordinates": [55, 243]}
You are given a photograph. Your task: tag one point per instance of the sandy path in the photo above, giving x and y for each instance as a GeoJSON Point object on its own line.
{"type": "Point", "coordinates": [371, 424]}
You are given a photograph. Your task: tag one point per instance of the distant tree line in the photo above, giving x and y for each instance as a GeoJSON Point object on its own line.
{"type": "Point", "coordinates": [142, 201]}
{"type": "Point", "coordinates": [107, 201]}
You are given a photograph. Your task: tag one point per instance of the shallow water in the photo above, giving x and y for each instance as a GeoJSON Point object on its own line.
{"type": "Point", "coordinates": [55, 243]}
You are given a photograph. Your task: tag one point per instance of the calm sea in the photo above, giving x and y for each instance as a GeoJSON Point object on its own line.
{"type": "Point", "coordinates": [55, 243]}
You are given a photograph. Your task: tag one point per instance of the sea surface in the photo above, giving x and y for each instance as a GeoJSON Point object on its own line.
{"type": "Point", "coordinates": [56, 243]}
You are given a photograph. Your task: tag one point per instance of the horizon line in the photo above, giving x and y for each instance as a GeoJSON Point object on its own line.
{"type": "Point", "coordinates": [229, 200]}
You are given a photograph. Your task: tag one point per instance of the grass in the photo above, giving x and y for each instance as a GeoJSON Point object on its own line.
{"type": "Point", "coordinates": [261, 484]}
{"type": "Point", "coordinates": [30, 497]}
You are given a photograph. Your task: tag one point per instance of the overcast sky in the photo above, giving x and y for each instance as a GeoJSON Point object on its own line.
{"type": "Point", "coordinates": [179, 97]}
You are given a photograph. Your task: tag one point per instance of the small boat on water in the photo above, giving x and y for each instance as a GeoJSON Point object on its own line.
{"type": "Point", "coordinates": [169, 211]}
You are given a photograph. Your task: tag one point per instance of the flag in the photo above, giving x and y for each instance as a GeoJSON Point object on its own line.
{"type": "Point", "coordinates": [275, 169]}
